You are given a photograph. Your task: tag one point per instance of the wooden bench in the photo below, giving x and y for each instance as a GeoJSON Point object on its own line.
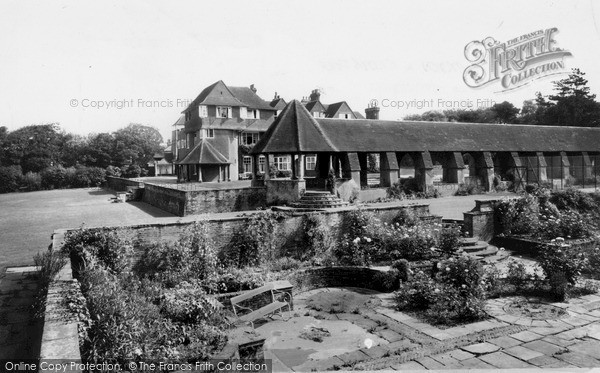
{"type": "Point", "coordinates": [276, 289]}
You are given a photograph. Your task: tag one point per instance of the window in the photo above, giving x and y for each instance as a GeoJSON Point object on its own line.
{"type": "Point", "coordinates": [223, 112]}
{"type": "Point", "coordinates": [311, 162]}
{"type": "Point", "coordinates": [317, 114]}
{"type": "Point", "coordinates": [346, 116]}
{"type": "Point", "coordinates": [248, 138]}
{"type": "Point", "coordinates": [202, 111]}
{"type": "Point", "coordinates": [253, 114]}
{"type": "Point", "coordinates": [261, 163]}
{"type": "Point", "coordinates": [282, 162]}
{"type": "Point", "coordinates": [243, 112]}
{"type": "Point", "coordinates": [208, 133]}
{"type": "Point", "coordinates": [247, 164]}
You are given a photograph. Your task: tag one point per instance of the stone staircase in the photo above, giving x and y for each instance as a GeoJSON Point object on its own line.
{"type": "Point", "coordinates": [316, 200]}
{"type": "Point", "coordinates": [481, 250]}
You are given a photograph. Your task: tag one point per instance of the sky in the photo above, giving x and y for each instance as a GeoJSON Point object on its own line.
{"type": "Point", "coordinates": [96, 66]}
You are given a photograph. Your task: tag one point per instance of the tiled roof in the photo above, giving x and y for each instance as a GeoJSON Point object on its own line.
{"type": "Point", "coordinates": [295, 131]}
{"type": "Point", "coordinates": [333, 109]}
{"type": "Point", "coordinates": [313, 106]}
{"type": "Point", "coordinates": [204, 153]}
{"type": "Point", "coordinates": [251, 99]}
{"type": "Point", "coordinates": [180, 121]}
{"type": "Point", "coordinates": [278, 104]}
{"type": "Point", "coordinates": [358, 115]}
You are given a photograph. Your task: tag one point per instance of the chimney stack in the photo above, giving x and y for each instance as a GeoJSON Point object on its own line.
{"type": "Point", "coordinates": [252, 88]}
{"type": "Point", "coordinates": [372, 111]}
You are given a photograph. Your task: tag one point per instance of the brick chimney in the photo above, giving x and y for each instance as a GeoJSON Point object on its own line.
{"type": "Point", "coordinates": [252, 88]}
{"type": "Point", "coordinates": [315, 95]}
{"type": "Point", "coordinates": [372, 112]}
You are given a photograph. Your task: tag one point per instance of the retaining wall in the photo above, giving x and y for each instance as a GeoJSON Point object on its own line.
{"type": "Point", "coordinates": [120, 184]}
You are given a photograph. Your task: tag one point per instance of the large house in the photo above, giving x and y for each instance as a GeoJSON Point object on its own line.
{"type": "Point", "coordinates": [223, 123]}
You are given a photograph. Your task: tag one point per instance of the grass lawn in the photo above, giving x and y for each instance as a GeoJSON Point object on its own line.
{"type": "Point", "coordinates": [27, 220]}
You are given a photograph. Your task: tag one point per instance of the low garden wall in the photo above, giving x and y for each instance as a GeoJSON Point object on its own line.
{"type": "Point", "coordinates": [531, 247]}
{"type": "Point", "coordinates": [120, 184]}
{"type": "Point", "coordinates": [190, 202]}
{"type": "Point", "coordinates": [359, 277]}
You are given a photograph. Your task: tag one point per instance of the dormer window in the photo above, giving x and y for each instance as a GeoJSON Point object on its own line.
{"type": "Point", "coordinates": [345, 116]}
{"type": "Point", "coordinates": [248, 138]}
{"type": "Point", "coordinates": [253, 114]}
{"type": "Point", "coordinates": [223, 111]}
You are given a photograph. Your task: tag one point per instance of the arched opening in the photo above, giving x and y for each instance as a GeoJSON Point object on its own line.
{"type": "Point", "coordinates": [470, 166]}
{"type": "Point", "coordinates": [407, 167]}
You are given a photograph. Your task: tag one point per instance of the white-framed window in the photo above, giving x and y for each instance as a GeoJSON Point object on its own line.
{"type": "Point", "coordinates": [223, 111]}
{"type": "Point", "coordinates": [247, 164]}
{"type": "Point", "coordinates": [248, 138]}
{"type": "Point", "coordinates": [202, 111]}
{"type": "Point", "coordinates": [208, 133]}
{"type": "Point", "coordinates": [253, 114]}
{"type": "Point", "coordinates": [282, 162]}
{"type": "Point", "coordinates": [318, 114]}
{"type": "Point", "coordinates": [345, 116]}
{"type": "Point", "coordinates": [243, 112]}
{"type": "Point", "coordinates": [261, 163]}
{"type": "Point", "coordinates": [311, 162]}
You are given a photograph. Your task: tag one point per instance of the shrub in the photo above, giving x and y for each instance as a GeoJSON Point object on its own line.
{"type": "Point", "coordinates": [406, 217]}
{"type": "Point", "coordinates": [409, 242]}
{"type": "Point", "coordinates": [190, 305]}
{"type": "Point", "coordinates": [32, 181]}
{"type": "Point", "coordinates": [10, 177]}
{"type": "Point", "coordinates": [316, 240]}
{"type": "Point", "coordinates": [573, 199]}
{"type": "Point", "coordinates": [403, 268]}
{"type": "Point", "coordinates": [255, 242]}
{"type": "Point", "coordinates": [357, 222]}
{"type": "Point", "coordinates": [191, 257]}
{"type": "Point", "coordinates": [562, 267]}
{"type": "Point", "coordinates": [463, 273]}
{"type": "Point", "coordinates": [50, 263]}
{"type": "Point", "coordinates": [86, 246]}
{"type": "Point", "coordinates": [449, 240]}
{"type": "Point", "coordinates": [237, 279]}
{"type": "Point", "coordinates": [131, 171]}
{"type": "Point", "coordinates": [284, 264]}
{"type": "Point", "coordinates": [54, 177]}
{"type": "Point", "coordinates": [354, 252]}
{"type": "Point", "coordinates": [516, 274]}
{"type": "Point", "coordinates": [468, 189]}
{"type": "Point", "coordinates": [418, 294]}
{"type": "Point", "coordinates": [517, 216]}
{"type": "Point", "coordinates": [452, 306]}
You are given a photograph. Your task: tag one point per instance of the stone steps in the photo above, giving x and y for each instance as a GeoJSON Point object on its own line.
{"type": "Point", "coordinates": [481, 250]}
{"type": "Point", "coordinates": [317, 200]}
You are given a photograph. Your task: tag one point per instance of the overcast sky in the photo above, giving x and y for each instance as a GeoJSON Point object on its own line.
{"type": "Point", "coordinates": [58, 56]}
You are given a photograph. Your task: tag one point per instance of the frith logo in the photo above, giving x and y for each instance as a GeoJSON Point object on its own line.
{"type": "Point", "coordinates": [516, 62]}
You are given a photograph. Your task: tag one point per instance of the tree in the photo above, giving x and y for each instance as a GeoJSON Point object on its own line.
{"type": "Point", "coordinates": [136, 144]}
{"type": "Point", "coordinates": [99, 150]}
{"type": "Point", "coordinates": [504, 112]}
{"type": "Point", "coordinates": [572, 105]}
{"type": "Point", "coordinates": [35, 147]}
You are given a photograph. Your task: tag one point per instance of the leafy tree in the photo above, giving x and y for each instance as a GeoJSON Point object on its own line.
{"type": "Point", "coordinates": [504, 112]}
{"type": "Point", "coordinates": [34, 147]}
{"type": "Point", "coordinates": [99, 150]}
{"type": "Point", "coordinates": [137, 144]}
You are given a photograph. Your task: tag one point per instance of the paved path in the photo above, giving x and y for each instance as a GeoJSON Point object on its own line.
{"type": "Point", "coordinates": [398, 341]}
{"type": "Point", "coordinates": [20, 333]}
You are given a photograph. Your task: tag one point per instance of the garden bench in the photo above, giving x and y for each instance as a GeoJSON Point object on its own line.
{"type": "Point", "coordinates": [275, 289]}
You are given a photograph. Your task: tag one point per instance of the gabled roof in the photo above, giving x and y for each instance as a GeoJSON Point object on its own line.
{"type": "Point", "coordinates": [180, 121]}
{"type": "Point", "coordinates": [215, 94]}
{"type": "Point", "coordinates": [358, 115]}
{"type": "Point", "coordinates": [278, 103]}
{"type": "Point", "coordinates": [204, 153]}
{"type": "Point", "coordinates": [294, 131]}
{"type": "Point", "coordinates": [251, 99]}
{"type": "Point", "coordinates": [333, 110]}
{"type": "Point", "coordinates": [313, 106]}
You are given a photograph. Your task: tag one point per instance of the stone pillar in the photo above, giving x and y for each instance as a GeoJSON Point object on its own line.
{"type": "Point", "coordinates": [588, 171]}
{"type": "Point", "coordinates": [388, 169]}
{"type": "Point", "coordinates": [293, 165]}
{"type": "Point", "coordinates": [364, 169]}
{"type": "Point", "coordinates": [423, 170]}
{"type": "Point", "coordinates": [199, 172]}
{"type": "Point", "coordinates": [267, 166]}
{"type": "Point", "coordinates": [518, 169]}
{"type": "Point", "coordinates": [542, 167]}
{"type": "Point", "coordinates": [301, 166]}
{"type": "Point", "coordinates": [485, 169]}
{"type": "Point", "coordinates": [565, 166]}
{"type": "Point", "coordinates": [455, 168]}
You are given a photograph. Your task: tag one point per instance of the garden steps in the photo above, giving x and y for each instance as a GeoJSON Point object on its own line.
{"type": "Point", "coordinates": [481, 250]}
{"type": "Point", "coordinates": [319, 200]}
